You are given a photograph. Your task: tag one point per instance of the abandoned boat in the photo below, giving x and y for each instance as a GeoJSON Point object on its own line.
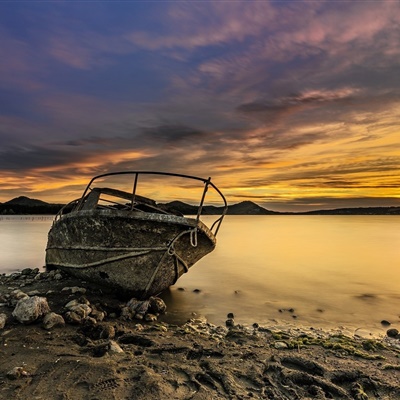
{"type": "Point", "coordinates": [129, 242]}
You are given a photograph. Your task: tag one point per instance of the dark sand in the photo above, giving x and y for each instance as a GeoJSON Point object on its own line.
{"type": "Point", "coordinates": [129, 359]}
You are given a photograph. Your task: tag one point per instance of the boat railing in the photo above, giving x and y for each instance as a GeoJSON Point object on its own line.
{"type": "Point", "coordinates": [92, 195]}
{"type": "Point", "coordinates": [63, 210]}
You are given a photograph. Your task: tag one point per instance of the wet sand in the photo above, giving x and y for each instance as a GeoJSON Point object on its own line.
{"type": "Point", "coordinates": [117, 357]}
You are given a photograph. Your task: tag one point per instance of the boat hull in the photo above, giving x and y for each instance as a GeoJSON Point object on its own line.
{"type": "Point", "coordinates": [139, 254]}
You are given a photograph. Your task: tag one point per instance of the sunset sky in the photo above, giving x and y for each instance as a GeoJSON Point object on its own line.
{"type": "Point", "coordinates": [294, 105]}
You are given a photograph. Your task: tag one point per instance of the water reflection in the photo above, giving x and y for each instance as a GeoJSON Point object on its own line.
{"type": "Point", "coordinates": [331, 270]}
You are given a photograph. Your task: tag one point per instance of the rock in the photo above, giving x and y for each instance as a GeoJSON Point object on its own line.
{"type": "Point", "coordinates": [230, 322]}
{"type": "Point", "coordinates": [16, 373]}
{"type": "Point", "coordinates": [385, 323]}
{"type": "Point", "coordinates": [393, 333]}
{"type": "Point", "coordinates": [106, 331]}
{"type": "Point", "coordinates": [98, 315]}
{"type": "Point", "coordinates": [91, 329]}
{"type": "Point", "coordinates": [126, 313]}
{"type": "Point", "coordinates": [15, 296]}
{"type": "Point", "coordinates": [150, 317]}
{"type": "Point", "coordinates": [83, 310]}
{"type": "Point", "coordinates": [280, 345]}
{"type": "Point", "coordinates": [157, 305]}
{"type": "Point", "coordinates": [230, 315]}
{"type": "Point", "coordinates": [137, 306]}
{"type": "Point", "coordinates": [53, 320]}
{"type": "Point", "coordinates": [71, 303]}
{"type": "Point", "coordinates": [3, 320]}
{"type": "Point", "coordinates": [74, 289]}
{"type": "Point", "coordinates": [73, 318]}
{"type": "Point", "coordinates": [33, 293]}
{"type": "Point", "coordinates": [114, 348]}
{"type": "Point", "coordinates": [26, 271]}
{"type": "Point", "coordinates": [29, 309]}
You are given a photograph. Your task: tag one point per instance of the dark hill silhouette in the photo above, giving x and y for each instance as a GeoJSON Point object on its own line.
{"type": "Point", "coordinates": [248, 208]}
{"type": "Point", "coordinates": [26, 201]}
{"type": "Point", "coordinates": [25, 205]}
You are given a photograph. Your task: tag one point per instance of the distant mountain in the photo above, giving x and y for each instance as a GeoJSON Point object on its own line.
{"type": "Point", "coordinates": [248, 208]}
{"type": "Point", "coordinates": [26, 201]}
{"type": "Point", "coordinates": [243, 208]}
{"type": "Point", "coordinates": [358, 211]}
{"type": "Point", "coordinates": [181, 207]}
{"type": "Point", "coordinates": [25, 205]}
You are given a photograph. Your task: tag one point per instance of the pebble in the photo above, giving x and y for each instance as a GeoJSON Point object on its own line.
{"type": "Point", "coordinates": [385, 323]}
{"type": "Point", "coordinates": [230, 322]}
{"type": "Point", "coordinates": [280, 345]}
{"type": "Point", "coordinates": [98, 315]}
{"type": "Point", "coordinates": [115, 348]}
{"type": "Point", "coordinates": [33, 293]}
{"type": "Point", "coordinates": [83, 310]}
{"type": "Point", "coordinates": [74, 289]}
{"type": "Point", "coordinates": [393, 333]}
{"type": "Point", "coordinates": [3, 320]}
{"type": "Point", "coordinates": [150, 317]}
{"type": "Point", "coordinates": [17, 372]}
{"type": "Point", "coordinates": [157, 305]}
{"type": "Point", "coordinates": [15, 296]}
{"type": "Point", "coordinates": [72, 318]}
{"type": "Point", "coordinates": [71, 303]}
{"type": "Point", "coordinates": [52, 320]}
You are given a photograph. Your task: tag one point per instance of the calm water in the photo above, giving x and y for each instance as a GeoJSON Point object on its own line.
{"type": "Point", "coordinates": [332, 270]}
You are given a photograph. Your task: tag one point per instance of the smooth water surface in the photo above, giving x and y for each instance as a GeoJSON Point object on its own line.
{"type": "Point", "coordinates": [23, 241]}
{"type": "Point", "coordinates": [331, 270]}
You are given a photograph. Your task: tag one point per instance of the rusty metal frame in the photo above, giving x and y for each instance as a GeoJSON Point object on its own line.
{"type": "Point", "coordinates": [207, 183]}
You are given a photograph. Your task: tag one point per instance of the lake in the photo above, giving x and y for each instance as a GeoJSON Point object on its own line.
{"type": "Point", "coordinates": [313, 271]}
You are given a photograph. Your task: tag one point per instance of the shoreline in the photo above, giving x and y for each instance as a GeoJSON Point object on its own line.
{"type": "Point", "coordinates": [109, 354]}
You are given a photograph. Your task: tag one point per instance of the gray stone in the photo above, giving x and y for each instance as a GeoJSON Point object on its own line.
{"type": "Point", "coordinates": [53, 320]}
{"type": "Point", "coordinates": [26, 271]}
{"type": "Point", "coordinates": [74, 290]}
{"type": "Point", "coordinates": [33, 293]}
{"type": "Point", "coordinates": [17, 372]}
{"type": "Point", "coordinates": [15, 296]}
{"type": "Point", "coordinates": [72, 317]}
{"type": "Point", "coordinates": [29, 309]}
{"type": "Point", "coordinates": [393, 333]}
{"type": "Point", "coordinates": [72, 303]}
{"type": "Point", "coordinates": [150, 317]}
{"type": "Point", "coordinates": [3, 320]}
{"type": "Point", "coordinates": [157, 305]}
{"type": "Point", "coordinates": [98, 315]}
{"type": "Point", "coordinates": [83, 310]}
{"type": "Point", "coordinates": [115, 348]}
{"type": "Point", "coordinates": [280, 345]}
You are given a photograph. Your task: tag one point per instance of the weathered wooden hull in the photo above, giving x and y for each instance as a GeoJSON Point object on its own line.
{"type": "Point", "coordinates": [140, 254]}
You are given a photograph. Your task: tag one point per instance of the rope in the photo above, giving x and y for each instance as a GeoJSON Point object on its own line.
{"type": "Point", "coordinates": [171, 252]}
{"type": "Point", "coordinates": [104, 261]}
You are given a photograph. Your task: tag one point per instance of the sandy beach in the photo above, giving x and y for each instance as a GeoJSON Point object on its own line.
{"type": "Point", "coordinates": [110, 353]}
